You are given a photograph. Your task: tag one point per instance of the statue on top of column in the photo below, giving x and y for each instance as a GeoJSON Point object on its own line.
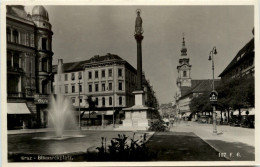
{"type": "Point", "coordinates": [138, 23]}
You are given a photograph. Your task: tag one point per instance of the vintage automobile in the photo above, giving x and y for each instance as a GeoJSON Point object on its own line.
{"type": "Point", "coordinates": [248, 121]}
{"type": "Point", "coordinates": [235, 120]}
{"type": "Point", "coordinates": [203, 119]}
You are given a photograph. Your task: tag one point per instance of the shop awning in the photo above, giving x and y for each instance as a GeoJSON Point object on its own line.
{"type": "Point", "coordinates": [250, 110]}
{"type": "Point", "coordinates": [17, 108]}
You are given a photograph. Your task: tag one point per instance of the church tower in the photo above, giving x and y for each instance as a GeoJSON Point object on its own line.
{"type": "Point", "coordinates": [184, 69]}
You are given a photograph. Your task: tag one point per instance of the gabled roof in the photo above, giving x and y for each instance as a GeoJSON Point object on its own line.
{"type": "Point", "coordinates": [246, 50]}
{"type": "Point", "coordinates": [199, 86]}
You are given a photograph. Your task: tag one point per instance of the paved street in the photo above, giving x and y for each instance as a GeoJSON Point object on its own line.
{"type": "Point", "coordinates": [234, 143]}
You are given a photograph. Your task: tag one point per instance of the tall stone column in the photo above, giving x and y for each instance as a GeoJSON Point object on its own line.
{"type": "Point", "coordinates": [139, 38]}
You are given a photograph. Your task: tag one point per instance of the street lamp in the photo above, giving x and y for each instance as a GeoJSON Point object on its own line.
{"type": "Point", "coordinates": [213, 94]}
{"type": "Point", "coordinates": [79, 103]}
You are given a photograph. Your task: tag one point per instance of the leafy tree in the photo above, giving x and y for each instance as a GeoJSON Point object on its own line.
{"type": "Point", "coordinates": [201, 103]}
{"type": "Point", "coordinates": [91, 105]}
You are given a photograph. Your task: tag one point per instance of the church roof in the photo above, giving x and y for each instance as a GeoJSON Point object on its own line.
{"type": "Point", "coordinates": [198, 86]}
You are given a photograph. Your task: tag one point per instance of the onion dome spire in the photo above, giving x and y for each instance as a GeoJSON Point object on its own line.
{"type": "Point", "coordinates": [184, 49]}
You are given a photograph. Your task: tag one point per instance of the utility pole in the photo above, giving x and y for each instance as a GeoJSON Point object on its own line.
{"type": "Point", "coordinates": [79, 102]}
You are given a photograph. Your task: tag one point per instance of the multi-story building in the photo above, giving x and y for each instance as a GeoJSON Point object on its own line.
{"type": "Point", "coordinates": [29, 62]}
{"type": "Point", "coordinates": [243, 64]}
{"type": "Point", "coordinates": [110, 81]}
{"type": "Point", "coordinates": [71, 82]}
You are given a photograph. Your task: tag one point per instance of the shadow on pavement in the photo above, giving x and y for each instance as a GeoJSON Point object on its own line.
{"type": "Point", "coordinates": [181, 146]}
{"type": "Point", "coordinates": [234, 151]}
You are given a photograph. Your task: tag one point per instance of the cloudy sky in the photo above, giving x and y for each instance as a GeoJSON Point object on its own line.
{"type": "Point", "coordinates": [81, 32]}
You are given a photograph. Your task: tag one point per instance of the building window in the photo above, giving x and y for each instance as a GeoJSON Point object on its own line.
{"type": "Point", "coordinates": [96, 74]}
{"type": "Point", "coordinates": [120, 100]}
{"type": "Point", "coordinates": [184, 73]}
{"type": "Point", "coordinates": [110, 101]}
{"type": "Point", "coordinates": [96, 87]}
{"type": "Point", "coordinates": [103, 87]}
{"type": "Point", "coordinates": [90, 88]}
{"type": "Point", "coordinates": [66, 88]}
{"type": "Point", "coordinates": [103, 101]}
{"type": "Point", "coordinates": [110, 72]}
{"type": "Point", "coordinates": [73, 88]}
{"type": "Point", "coordinates": [110, 86]}
{"type": "Point", "coordinates": [66, 77]}
{"type": "Point", "coordinates": [44, 43]}
{"type": "Point", "coordinates": [73, 100]}
{"type": "Point", "coordinates": [120, 86]}
{"type": "Point", "coordinates": [9, 59]}
{"type": "Point", "coordinates": [8, 36]}
{"type": "Point", "coordinates": [27, 39]}
{"type": "Point", "coordinates": [44, 64]}
{"type": "Point", "coordinates": [103, 73]}
{"type": "Point", "coordinates": [32, 40]}
{"type": "Point", "coordinates": [80, 88]}
{"type": "Point", "coordinates": [45, 87]}
{"type": "Point", "coordinates": [16, 60]}
{"type": "Point", "coordinates": [15, 36]}
{"type": "Point", "coordinates": [72, 76]}
{"type": "Point", "coordinates": [80, 99]}
{"type": "Point", "coordinates": [96, 101]}
{"type": "Point", "coordinates": [80, 75]}
{"type": "Point", "coordinates": [120, 72]}
{"type": "Point", "coordinates": [89, 75]}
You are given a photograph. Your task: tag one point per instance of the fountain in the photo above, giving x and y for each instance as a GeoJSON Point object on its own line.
{"type": "Point", "coordinates": [61, 114]}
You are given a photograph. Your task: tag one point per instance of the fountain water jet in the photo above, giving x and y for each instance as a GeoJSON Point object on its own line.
{"type": "Point", "coordinates": [61, 114]}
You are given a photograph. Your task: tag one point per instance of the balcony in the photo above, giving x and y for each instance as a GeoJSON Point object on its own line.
{"type": "Point", "coordinates": [16, 94]}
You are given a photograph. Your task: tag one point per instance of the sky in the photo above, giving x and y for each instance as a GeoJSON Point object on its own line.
{"type": "Point", "coordinates": [80, 32]}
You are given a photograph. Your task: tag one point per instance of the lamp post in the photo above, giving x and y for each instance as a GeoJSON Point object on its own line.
{"type": "Point", "coordinates": [79, 103]}
{"type": "Point", "coordinates": [213, 94]}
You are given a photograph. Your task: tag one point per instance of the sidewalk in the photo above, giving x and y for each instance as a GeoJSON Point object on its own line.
{"type": "Point", "coordinates": [234, 143]}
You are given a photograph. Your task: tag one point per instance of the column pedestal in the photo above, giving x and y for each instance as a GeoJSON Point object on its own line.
{"type": "Point", "coordinates": [136, 116]}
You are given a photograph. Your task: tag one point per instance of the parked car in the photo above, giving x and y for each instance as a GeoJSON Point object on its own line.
{"type": "Point", "coordinates": [203, 119]}
{"type": "Point", "coordinates": [235, 120]}
{"type": "Point", "coordinates": [248, 121]}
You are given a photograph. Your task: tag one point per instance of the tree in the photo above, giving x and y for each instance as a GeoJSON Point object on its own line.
{"type": "Point", "coordinates": [201, 103]}
{"type": "Point", "coordinates": [236, 93]}
{"type": "Point", "coordinates": [91, 105]}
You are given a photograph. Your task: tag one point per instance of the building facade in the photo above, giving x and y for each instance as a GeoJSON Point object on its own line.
{"type": "Point", "coordinates": [242, 65]}
{"type": "Point", "coordinates": [29, 66]}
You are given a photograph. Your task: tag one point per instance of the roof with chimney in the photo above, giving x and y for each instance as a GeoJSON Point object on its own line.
{"type": "Point", "coordinates": [79, 65]}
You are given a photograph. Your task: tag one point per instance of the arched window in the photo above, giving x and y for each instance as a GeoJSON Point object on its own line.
{"type": "Point", "coordinates": [44, 64]}
{"type": "Point", "coordinates": [110, 101]}
{"type": "Point", "coordinates": [120, 100]}
{"type": "Point", "coordinates": [45, 87]}
{"type": "Point", "coordinates": [103, 101]}
{"type": "Point", "coordinates": [15, 36]}
{"type": "Point", "coordinates": [8, 34]}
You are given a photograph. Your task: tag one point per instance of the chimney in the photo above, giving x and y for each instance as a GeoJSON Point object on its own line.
{"type": "Point", "coordinates": [60, 61]}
